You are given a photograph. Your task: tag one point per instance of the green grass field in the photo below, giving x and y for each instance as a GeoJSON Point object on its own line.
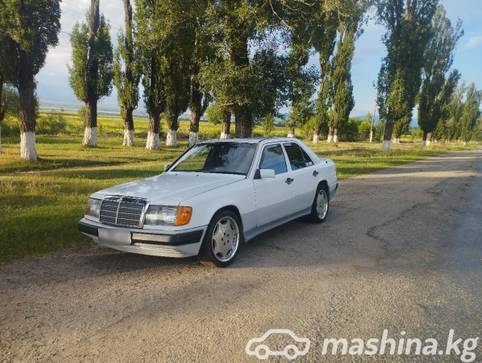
{"type": "Point", "coordinates": [43, 201]}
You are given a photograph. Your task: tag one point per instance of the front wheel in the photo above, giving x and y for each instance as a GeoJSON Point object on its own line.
{"type": "Point", "coordinates": [222, 240]}
{"type": "Point", "coordinates": [321, 205]}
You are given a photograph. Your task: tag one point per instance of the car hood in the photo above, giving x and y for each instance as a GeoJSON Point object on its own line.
{"type": "Point", "coordinates": [171, 188]}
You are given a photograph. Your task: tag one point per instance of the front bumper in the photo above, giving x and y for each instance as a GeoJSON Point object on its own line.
{"type": "Point", "coordinates": [183, 243]}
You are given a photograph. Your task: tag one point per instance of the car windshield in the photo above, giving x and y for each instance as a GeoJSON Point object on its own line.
{"type": "Point", "coordinates": [219, 157]}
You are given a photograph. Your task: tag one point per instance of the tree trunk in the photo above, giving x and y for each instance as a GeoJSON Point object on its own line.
{"type": "Point", "coordinates": [316, 138]}
{"type": "Point", "coordinates": [194, 126]}
{"type": "Point", "coordinates": [153, 142]}
{"type": "Point", "coordinates": [387, 136]}
{"type": "Point", "coordinates": [171, 136]}
{"type": "Point", "coordinates": [128, 127]}
{"type": "Point", "coordinates": [226, 125]}
{"type": "Point", "coordinates": [427, 136]}
{"type": "Point", "coordinates": [330, 135]}
{"type": "Point", "coordinates": [371, 135]}
{"type": "Point", "coordinates": [2, 111]}
{"type": "Point", "coordinates": [90, 132]}
{"type": "Point", "coordinates": [335, 135]}
{"type": "Point", "coordinates": [26, 90]}
{"type": "Point", "coordinates": [244, 122]}
{"type": "Point", "coordinates": [291, 131]}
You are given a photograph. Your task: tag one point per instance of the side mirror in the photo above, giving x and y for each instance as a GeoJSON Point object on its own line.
{"type": "Point", "coordinates": [166, 166]}
{"type": "Point", "coordinates": [266, 173]}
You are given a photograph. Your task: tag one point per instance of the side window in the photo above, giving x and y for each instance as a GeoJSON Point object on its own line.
{"type": "Point", "coordinates": [297, 156]}
{"type": "Point", "coordinates": [273, 158]}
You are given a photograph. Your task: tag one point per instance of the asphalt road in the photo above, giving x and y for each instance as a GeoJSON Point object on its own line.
{"type": "Point", "coordinates": [401, 250]}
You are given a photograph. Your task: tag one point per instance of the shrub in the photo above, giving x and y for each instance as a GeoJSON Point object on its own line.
{"type": "Point", "coordinates": [51, 124]}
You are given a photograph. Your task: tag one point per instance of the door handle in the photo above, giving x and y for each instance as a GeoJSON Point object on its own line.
{"type": "Point", "coordinates": [315, 173]}
{"type": "Point", "coordinates": [289, 181]}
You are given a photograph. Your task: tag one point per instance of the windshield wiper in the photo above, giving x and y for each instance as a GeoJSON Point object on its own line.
{"type": "Point", "coordinates": [224, 172]}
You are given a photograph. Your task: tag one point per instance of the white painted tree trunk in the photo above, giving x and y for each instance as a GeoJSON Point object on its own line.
{"type": "Point", "coordinates": [27, 146]}
{"type": "Point", "coordinates": [426, 142]}
{"type": "Point", "coordinates": [224, 136]}
{"type": "Point", "coordinates": [171, 138]}
{"type": "Point", "coordinates": [153, 142]}
{"type": "Point", "coordinates": [90, 136]}
{"type": "Point", "coordinates": [193, 138]}
{"type": "Point", "coordinates": [335, 136]}
{"type": "Point", "coordinates": [0, 139]}
{"type": "Point", "coordinates": [397, 140]}
{"type": "Point", "coordinates": [386, 145]}
{"type": "Point", "coordinates": [290, 134]}
{"type": "Point", "coordinates": [128, 138]}
{"type": "Point", "coordinates": [371, 135]}
{"type": "Point", "coordinates": [316, 139]}
{"type": "Point", "coordinates": [329, 138]}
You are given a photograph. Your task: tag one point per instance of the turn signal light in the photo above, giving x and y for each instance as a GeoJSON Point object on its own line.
{"type": "Point", "coordinates": [183, 215]}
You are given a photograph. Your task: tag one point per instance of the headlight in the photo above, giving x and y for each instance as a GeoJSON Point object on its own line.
{"type": "Point", "coordinates": [158, 215]}
{"type": "Point", "coordinates": [93, 208]}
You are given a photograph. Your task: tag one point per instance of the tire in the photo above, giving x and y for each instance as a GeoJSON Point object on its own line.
{"type": "Point", "coordinates": [222, 240]}
{"type": "Point", "coordinates": [320, 213]}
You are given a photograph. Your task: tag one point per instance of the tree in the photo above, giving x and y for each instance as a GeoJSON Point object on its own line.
{"type": "Point", "coordinates": [152, 78]}
{"type": "Point", "coordinates": [91, 73]}
{"type": "Point", "coordinates": [470, 117]}
{"type": "Point", "coordinates": [27, 29]}
{"type": "Point", "coordinates": [437, 85]}
{"type": "Point", "coordinates": [343, 101]}
{"type": "Point", "coordinates": [202, 52]}
{"type": "Point", "coordinates": [324, 40]}
{"type": "Point", "coordinates": [171, 31]}
{"type": "Point", "coordinates": [408, 32]}
{"type": "Point", "coordinates": [230, 76]}
{"type": "Point", "coordinates": [301, 85]}
{"type": "Point", "coordinates": [127, 74]}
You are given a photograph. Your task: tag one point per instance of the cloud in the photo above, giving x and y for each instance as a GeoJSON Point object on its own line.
{"type": "Point", "coordinates": [474, 41]}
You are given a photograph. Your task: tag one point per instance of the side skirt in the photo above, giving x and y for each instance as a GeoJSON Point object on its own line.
{"type": "Point", "coordinates": [248, 235]}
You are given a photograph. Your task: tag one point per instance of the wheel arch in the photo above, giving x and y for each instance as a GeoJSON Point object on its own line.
{"type": "Point", "coordinates": [233, 209]}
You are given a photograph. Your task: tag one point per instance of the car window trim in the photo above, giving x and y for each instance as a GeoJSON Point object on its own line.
{"type": "Point", "coordinates": [261, 157]}
{"type": "Point", "coordinates": [303, 150]}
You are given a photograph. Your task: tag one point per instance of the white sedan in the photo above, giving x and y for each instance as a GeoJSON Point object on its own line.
{"type": "Point", "coordinates": [213, 198]}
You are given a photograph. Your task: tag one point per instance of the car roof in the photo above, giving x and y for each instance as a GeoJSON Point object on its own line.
{"type": "Point", "coordinates": [252, 140]}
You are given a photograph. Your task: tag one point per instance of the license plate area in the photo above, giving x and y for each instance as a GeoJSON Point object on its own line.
{"type": "Point", "coordinates": [115, 236]}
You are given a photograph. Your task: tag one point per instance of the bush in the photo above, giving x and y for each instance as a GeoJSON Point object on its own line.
{"type": "Point", "coordinates": [51, 124]}
{"type": "Point", "coordinates": [267, 123]}
{"type": "Point", "coordinates": [214, 113]}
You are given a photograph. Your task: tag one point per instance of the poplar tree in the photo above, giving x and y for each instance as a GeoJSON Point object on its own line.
{"type": "Point", "coordinates": [127, 74]}
{"type": "Point", "coordinates": [90, 75]}
{"type": "Point", "coordinates": [438, 83]}
{"type": "Point", "coordinates": [150, 60]}
{"type": "Point", "coordinates": [408, 32]}
{"type": "Point", "coordinates": [27, 29]}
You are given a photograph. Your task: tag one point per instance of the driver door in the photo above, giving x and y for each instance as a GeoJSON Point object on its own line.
{"type": "Point", "coordinates": [273, 194]}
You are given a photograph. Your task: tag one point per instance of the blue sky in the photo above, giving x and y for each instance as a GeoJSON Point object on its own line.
{"type": "Point", "coordinates": [53, 88]}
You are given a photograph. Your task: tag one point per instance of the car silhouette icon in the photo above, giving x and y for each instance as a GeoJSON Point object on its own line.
{"type": "Point", "coordinates": [257, 347]}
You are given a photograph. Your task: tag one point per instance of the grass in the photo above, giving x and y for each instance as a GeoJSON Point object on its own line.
{"type": "Point", "coordinates": [43, 201]}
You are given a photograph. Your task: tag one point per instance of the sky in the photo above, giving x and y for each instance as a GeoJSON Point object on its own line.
{"type": "Point", "coordinates": [54, 91]}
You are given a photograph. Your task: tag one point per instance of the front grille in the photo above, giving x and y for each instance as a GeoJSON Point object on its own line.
{"type": "Point", "coordinates": [122, 211]}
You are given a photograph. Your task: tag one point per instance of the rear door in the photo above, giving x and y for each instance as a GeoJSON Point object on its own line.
{"type": "Point", "coordinates": [302, 172]}
{"type": "Point", "coordinates": [273, 195]}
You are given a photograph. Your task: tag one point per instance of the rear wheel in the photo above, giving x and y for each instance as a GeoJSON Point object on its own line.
{"type": "Point", "coordinates": [321, 205]}
{"type": "Point", "coordinates": [222, 240]}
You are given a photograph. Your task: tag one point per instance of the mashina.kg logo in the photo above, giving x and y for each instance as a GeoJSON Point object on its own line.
{"type": "Point", "coordinates": [261, 349]}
